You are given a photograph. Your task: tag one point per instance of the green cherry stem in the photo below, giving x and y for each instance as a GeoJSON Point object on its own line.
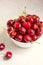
{"type": "Point", "coordinates": [24, 12]}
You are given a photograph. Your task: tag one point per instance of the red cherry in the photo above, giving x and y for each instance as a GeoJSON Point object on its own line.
{"type": "Point", "coordinates": [34, 26]}
{"type": "Point", "coordinates": [39, 23]}
{"type": "Point", "coordinates": [8, 55]}
{"type": "Point", "coordinates": [31, 31]}
{"type": "Point", "coordinates": [36, 18]}
{"type": "Point", "coordinates": [17, 25]}
{"type": "Point", "coordinates": [38, 32]}
{"type": "Point", "coordinates": [19, 37]}
{"type": "Point", "coordinates": [26, 25]}
{"type": "Point", "coordinates": [22, 19]}
{"type": "Point", "coordinates": [27, 38]}
{"type": "Point", "coordinates": [31, 20]}
{"type": "Point", "coordinates": [13, 34]}
{"type": "Point", "coordinates": [34, 37]}
{"type": "Point", "coordinates": [10, 29]}
{"type": "Point", "coordinates": [2, 46]}
{"type": "Point", "coordinates": [22, 30]}
{"type": "Point", "coordinates": [10, 22]}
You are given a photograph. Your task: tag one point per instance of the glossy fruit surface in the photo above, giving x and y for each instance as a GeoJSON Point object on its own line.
{"type": "Point", "coordinates": [10, 29]}
{"type": "Point", "coordinates": [10, 22]}
{"type": "Point", "coordinates": [2, 46]}
{"type": "Point", "coordinates": [34, 26]}
{"type": "Point", "coordinates": [19, 37]}
{"type": "Point", "coordinates": [31, 31]}
{"type": "Point", "coordinates": [34, 37]}
{"type": "Point", "coordinates": [8, 55]}
{"type": "Point", "coordinates": [22, 19]}
{"type": "Point", "coordinates": [27, 38]}
{"type": "Point", "coordinates": [22, 30]}
{"type": "Point", "coordinates": [26, 25]}
{"type": "Point", "coordinates": [17, 25]}
{"type": "Point", "coordinates": [13, 34]}
{"type": "Point", "coordinates": [36, 18]}
{"type": "Point", "coordinates": [38, 32]}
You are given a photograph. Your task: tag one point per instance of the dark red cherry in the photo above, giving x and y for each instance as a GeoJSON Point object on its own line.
{"type": "Point", "coordinates": [8, 55]}
{"type": "Point", "coordinates": [27, 38]}
{"type": "Point", "coordinates": [2, 46]}
{"type": "Point", "coordinates": [22, 30]}
{"type": "Point", "coordinates": [34, 26]}
{"type": "Point", "coordinates": [17, 25]}
{"type": "Point", "coordinates": [38, 32]}
{"type": "Point", "coordinates": [39, 24]}
{"type": "Point", "coordinates": [26, 25]}
{"type": "Point", "coordinates": [31, 20]}
{"type": "Point", "coordinates": [13, 34]}
{"type": "Point", "coordinates": [10, 29]}
{"type": "Point", "coordinates": [31, 31]}
{"type": "Point", "coordinates": [34, 37]}
{"type": "Point", "coordinates": [10, 22]}
{"type": "Point", "coordinates": [36, 18]}
{"type": "Point", "coordinates": [22, 19]}
{"type": "Point", "coordinates": [19, 37]}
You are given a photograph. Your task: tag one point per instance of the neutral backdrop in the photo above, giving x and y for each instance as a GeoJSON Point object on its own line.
{"type": "Point", "coordinates": [10, 9]}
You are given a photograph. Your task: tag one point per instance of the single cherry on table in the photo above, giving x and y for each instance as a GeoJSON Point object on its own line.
{"type": "Point", "coordinates": [2, 46]}
{"type": "Point", "coordinates": [8, 55]}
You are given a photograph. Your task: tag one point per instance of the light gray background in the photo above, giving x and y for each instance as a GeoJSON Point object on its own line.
{"type": "Point", "coordinates": [10, 9]}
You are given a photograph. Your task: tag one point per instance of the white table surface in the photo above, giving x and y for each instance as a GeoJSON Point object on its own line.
{"type": "Point", "coordinates": [10, 9]}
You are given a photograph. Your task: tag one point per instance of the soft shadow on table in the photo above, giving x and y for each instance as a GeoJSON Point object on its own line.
{"type": "Point", "coordinates": [10, 46]}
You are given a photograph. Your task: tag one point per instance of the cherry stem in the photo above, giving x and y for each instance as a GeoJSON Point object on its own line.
{"type": "Point", "coordinates": [24, 12]}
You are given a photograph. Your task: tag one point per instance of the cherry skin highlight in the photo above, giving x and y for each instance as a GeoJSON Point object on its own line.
{"type": "Point", "coordinates": [13, 34]}
{"type": "Point", "coordinates": [36, 18]}
{"type": "Point", "coordinates": [26, 25]}
{"type": "Point", "coordinates": [34, 26]}
{"type": "Point", "coordinates": [17, 26]}
{"type": "Point", "coordinates": [34, 37]}
{"type": "Point", "coordinates": [31, 31]}
{"type": "Point", "coordinates": [2, 46]}
{"type": "Point", "coordinates": [10, 22]}
{"type": "Point", "coordinates": [19, 37]}
{"type": "Point", "coordinates": [27, 38]}
{"type": "Point", "coordinates": [38, 32]}
{"type": "Point", "coordinates": [22, 30]}
{"type": "Point", "coordinates": [8, 55]}
{"type": "Point", "coordinates": [10, 29]}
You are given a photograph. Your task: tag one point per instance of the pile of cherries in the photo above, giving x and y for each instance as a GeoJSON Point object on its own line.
{"type": "Point", "coordinates": [25, 28]}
